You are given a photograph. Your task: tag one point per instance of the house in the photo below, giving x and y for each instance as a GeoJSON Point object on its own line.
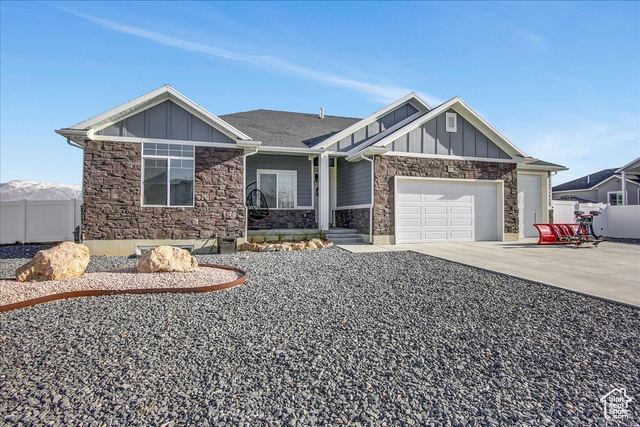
{"type": "Point", "coordinates": [605, 186]}
{"type": "Point", "coordinates": [161, 169]}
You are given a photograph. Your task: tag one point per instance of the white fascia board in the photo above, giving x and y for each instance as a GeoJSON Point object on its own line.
{"type": "Point", "coordinates": [136, 140]}
{"type": "Point", "coordinates": [373, 117]}
{"type": "Point", "coordinates": [372, 141]}
{"type": "Point", "coordinates": [370, 151]}
{"type": "Point", "coordinates": [155, 97]}
{"type": "Point", "coordinates": [571, 191]}
{"type": "Point", "coordinates": [631, 165]}
{"type": "Point", "coordinates": [241, 143]}
{"type": "Point", "coordinates": [612, 177]}
{"type": "Point", "coordinates": [525, 166]}
{"type": "Point", "coordinates": [289, 150]}
{"type": "Point", "coordinates": [469, 114]}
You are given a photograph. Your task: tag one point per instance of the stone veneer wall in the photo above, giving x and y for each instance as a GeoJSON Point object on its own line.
{"type": "Point", "coordinates": [295, 218]}
{"type": "Point", "coordinates": [112, 201]}
{"type": "Point", "coordinates": [551, 216]}
{"type": "Point", "coordinates": [387, 167]}
{"type": "Point", "coordinates": [353, 218]}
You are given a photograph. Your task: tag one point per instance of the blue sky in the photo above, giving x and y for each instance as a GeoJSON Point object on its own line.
{"type": "Point", "coordinates": [560, 79]}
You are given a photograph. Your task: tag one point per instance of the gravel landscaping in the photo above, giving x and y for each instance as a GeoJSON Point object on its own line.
{"type": "Point", "coordinates": [320, 337]}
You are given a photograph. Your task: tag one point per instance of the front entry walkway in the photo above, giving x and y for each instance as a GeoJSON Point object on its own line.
{"type": "Point", "coordinates": [611, 271]}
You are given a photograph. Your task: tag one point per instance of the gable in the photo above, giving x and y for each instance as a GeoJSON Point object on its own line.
{"type": "Point", "coordinates": [166, 120]}
{"type": "Point", "coordinates": [432, 138]}
{"type": "Point", "coordinates": [378, 126]}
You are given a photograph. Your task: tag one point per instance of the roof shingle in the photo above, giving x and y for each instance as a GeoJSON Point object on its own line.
{"type": "Point", "coordinates": [286, 129]}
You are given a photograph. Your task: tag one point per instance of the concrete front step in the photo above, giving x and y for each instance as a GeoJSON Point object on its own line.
{"type": "Point", "coordinates": [342, 236]}
{"type": "Point", "coordinates": [347, 240]}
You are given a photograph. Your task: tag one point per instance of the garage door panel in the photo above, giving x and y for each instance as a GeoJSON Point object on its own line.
{"type": "Point", "coordinates": [409, 198]}
{"type": "Point", "coordinates": [450, 211]}
{"type": "Point", "coordinates": [435, 210]}
{"type": "Point", "coordinates": [434, 236]}
{"type": "Point", "coordinates": [461, 235]}
{"type": "Point", "coordinates": [461, 210]}
{"type": "Point", "coordinates": [435, 222]}
{"type": "Point", "coordinates": [412, 210]}
{"type": "Point", "coordinates": [461, 222]}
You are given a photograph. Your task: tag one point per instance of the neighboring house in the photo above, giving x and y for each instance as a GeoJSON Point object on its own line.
{"type": "Point", "coordinates": [162, 169]}
{"type": "Point", "coordinates": [605, 186]}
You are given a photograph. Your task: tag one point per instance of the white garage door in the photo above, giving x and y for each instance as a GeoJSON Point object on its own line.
{"type": "Point", "coordinates": [529, 204]}
{"type": "Point", "coordinates": [432, 211]}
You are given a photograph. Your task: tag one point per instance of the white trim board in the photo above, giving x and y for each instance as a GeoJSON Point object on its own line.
{"type": "Point", "coordinates": [156, 97]}
{"type": "Point", "coordinates": [373, 117]}
{"type": "Point", "coordinates": [446, 156]}
{"type": "Point", "coordinates": [460, 107]}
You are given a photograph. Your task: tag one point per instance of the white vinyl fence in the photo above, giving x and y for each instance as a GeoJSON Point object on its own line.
{"type": "Point", "coordinates": [33, 221]}
{"type": "Point", "coordinates": [613, 221]}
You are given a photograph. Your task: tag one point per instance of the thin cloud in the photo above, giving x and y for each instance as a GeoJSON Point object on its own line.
{"type": "Point", "coordinates": [376, 92]}
{"type": "Point", "coordinates": [533, 39]}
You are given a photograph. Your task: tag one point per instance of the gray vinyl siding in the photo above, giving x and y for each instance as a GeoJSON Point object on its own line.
{"type": "Point", "coordinates": [432, 138]}
{"type": "Point", "coordinates": [166, 121]}
{"type": "Point", "coordinates": [364, 134]}
{"type": "Point", "coordinates": [353, 183]}
{"type": "Point", "coordinates": [286, 163]}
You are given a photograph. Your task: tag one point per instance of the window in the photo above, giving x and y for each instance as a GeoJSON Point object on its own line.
{"type": "Point", "coordinates": [615, 198]}
{"type": "Point", "coordinates": [168, 174]}
{"type": "Point", "coordinates": [452, 122]}
{"type": "Point", "coordinates": [278, 187]}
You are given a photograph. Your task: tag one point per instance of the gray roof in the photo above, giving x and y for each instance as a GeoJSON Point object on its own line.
{"type": "Point", "coordinates": [285, 129]}
{"type": "Point", "coordinates": [587, 181]}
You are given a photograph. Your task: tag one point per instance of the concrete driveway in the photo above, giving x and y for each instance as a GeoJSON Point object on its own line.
{"type": "Point", "coordinates": [610, 271]}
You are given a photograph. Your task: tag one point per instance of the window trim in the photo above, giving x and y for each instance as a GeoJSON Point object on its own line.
{"type": "Point", "coordinates": [168, 159]}
{"type": "Point", "coordinates": [278, 172]}
{"type": "Point", "coordinates": [609, 193]}
{"type": "Point", "coordinates": [453, 128]}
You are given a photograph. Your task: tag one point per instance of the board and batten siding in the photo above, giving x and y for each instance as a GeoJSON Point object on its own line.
{"type": "Point", "coordinates": [166, 120]}
{"type": "Point", "coordinates": [353, 183]}
{"type": "Point", "coordinates": [302, 165]}
{"type": "Point", "coordinates": [364, 134]}
{"type": "Point", "coordinates": [433, 138]}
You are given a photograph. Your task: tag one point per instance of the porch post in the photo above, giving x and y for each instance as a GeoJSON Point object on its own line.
{"type": "Point", "coordinates": [324, 205]}
{"type": "Point", "coordinates": [624, 188]}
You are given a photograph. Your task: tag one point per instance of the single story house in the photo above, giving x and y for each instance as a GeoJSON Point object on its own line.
{"type": "Point", "coordinates": [161, 169]}
{"type": "Point", "coordinates": [615, 186]}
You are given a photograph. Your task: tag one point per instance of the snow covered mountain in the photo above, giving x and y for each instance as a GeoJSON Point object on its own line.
{"type": "Point", "coordinates": [34, 190]}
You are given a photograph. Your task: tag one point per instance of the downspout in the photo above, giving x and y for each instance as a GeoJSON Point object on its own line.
{"type": "Point", "coordinates": [74, 144]}
{"type": "Point", "coordinates": [244, 191]}
{"type": "Point", "coordinates": [372, 197]}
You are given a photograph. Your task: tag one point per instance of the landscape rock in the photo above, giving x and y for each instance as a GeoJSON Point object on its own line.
{"type": "Point", "coordinates": [66, 260]}
{"type": "Point", "coordinates": [167, 259]}
{"type": "Point", "coordinates": [297, 246]}
{"type": "Point", "coordinates": [311, 245]}
{"type": "Point", "coordinates": [317, 242]}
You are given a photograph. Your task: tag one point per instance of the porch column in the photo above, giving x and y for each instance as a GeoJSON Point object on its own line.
{"type": "Point", "coordinates": [324, 205]}
{"type": "Point", "coordinates": [624, 188]}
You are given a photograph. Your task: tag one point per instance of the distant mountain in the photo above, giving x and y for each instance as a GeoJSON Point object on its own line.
{"type": "Point", "coordinates": [34, 190]}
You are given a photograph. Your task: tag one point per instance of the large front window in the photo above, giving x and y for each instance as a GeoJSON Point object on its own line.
{"type": "Point", "coordinates": [278, 187]}
{"type": "Point", "coordinates": [167, 178]}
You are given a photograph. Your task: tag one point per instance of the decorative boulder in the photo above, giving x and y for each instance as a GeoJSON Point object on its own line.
{"type": "Point", "coordinates": [63, 261]}
{"type": "Point", "coordinates": [297, 246]}
{"type": "Point", "coordinates": [317, 242]}
{"type": "Point", "coordinates": [167, 259]}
